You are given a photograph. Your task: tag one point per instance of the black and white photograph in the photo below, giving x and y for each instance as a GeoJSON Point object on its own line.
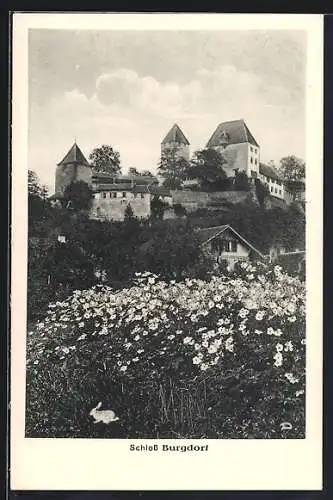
{"type": "Point", "coordinates": [167, 200]}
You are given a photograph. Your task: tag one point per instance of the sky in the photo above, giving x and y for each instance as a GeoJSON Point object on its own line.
{"type": "Point", "coordinates": [127, 88]}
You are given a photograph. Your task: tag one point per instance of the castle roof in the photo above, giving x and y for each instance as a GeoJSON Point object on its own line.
{"type": "Point", "coordinates": [175, 134]}
{"type": "Point", "coordinates": [232, 132]}
{"type": "Point", "coordinates": [74, 155]}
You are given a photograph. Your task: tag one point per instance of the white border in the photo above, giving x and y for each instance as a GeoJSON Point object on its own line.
{"type": "Point", "coordinates": [78, 464]}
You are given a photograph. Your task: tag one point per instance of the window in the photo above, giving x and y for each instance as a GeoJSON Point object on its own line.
{"type": "Point", "coordinates": [114, 194]}
{"type": "Point", "coordinates": [124, 194]}
{"type": "Point", "coordinates": [271, 189]}
{"type": "Point", "coordinates": [234, 246]}
{"type": "Point", "coordinates": [135, 195]}
{"type": "Point", "coordinates": [280, 192]}
{"type": "Point", "coordinates": [104, 195]}
{"type": "Point", "coordinates": [251, 159]}
{"type": "Point", "coordinates": [251, 148]}
{"type": "Point", "coordinates": [256, 161]}
{"type": "Point", "coordinates": [275, 190]}
{"type": "Point", "coordinates": [142, 195]}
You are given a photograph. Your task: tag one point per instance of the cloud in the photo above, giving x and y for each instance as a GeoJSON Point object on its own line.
{"type": "Point", "coordinates": [133, 113]}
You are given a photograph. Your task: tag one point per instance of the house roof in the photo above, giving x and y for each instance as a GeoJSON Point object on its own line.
{"type": "Point", "coordinates": [269, 171]}
{"type": "Point", "coordinates": [74, 155]}
{"type": "Point", "coordinates": [235, 132]}
{"type": "Point", "coordinates": [209, 233]}
{"type": "Point", "coordinates": [175, 134]}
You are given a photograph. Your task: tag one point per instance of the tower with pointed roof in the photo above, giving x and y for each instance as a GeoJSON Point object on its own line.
{"type": "Point", "coordinates": [176, 140]}
{"type": "Point", "coordinates": [72, 168]}
{"type": "Point", "coordinates": [238, 146]}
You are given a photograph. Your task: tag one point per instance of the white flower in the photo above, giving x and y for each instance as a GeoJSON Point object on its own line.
{"type": "Point", "coordinates": [291, 378]}
{"type": "Point", "coordinates": [170, 337]}
{"type": "Point", "coordinates": [205, 343]}
{"type": "Point", "coordinates": [279, 347]}
{"type": "Point", "coordinates": [211, 304]}
{"type": "Point", "coordinates": [81, 324]}
{"type": "Point", "coordinates": [303, 341]}
{"type": "Point", "coordinates": [187, 340]}
{"type": "Point", "coordinates": [270, 331]}
{"type": "Point", "coordinates": [299, 393]}
{"type": "Point", "coordinates": [292, 319]}
{"type": "Point", "coordinates": [212, 349]}
{"type": "Point", "coordinates": [140, 351]}
{"type": "Point", "coordinates": [258, 332]}
{"type": "Point", "coordinates": [135, 359]}
{"type": "Point", "coordinates": [204, 366]}
{"type": "Point", "coordinates": [278, 359]}
{"type": "Point", "coordinates": [137, 337]}
{"type": "Point", "coordinates": [123, 368]}
{"type": "Point", "coordinates": [277, 332]}
{"type": "Point", "coordinates": [243, 313]}
{"type": "Point", "coordinates": [196, 360]}
{"type": "Point", "coordinates": [260, 315]}
{"type": "Point", "coordinates": [288, 346]}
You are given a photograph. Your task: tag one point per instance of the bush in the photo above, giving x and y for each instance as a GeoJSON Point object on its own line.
{"type": "Point", "coordinates": [218, 358]}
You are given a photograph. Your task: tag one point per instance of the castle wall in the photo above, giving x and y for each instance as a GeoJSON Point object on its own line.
{"type": "Point", "coordinates": [66, 174]}
{"type": "Point", "coordinates": [192, 200]}
{"type": "Point", "coordinates": [114, 208]}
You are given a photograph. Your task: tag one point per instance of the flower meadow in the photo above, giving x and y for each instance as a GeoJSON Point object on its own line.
{"type": "Point", "coordinates": [217, 358]}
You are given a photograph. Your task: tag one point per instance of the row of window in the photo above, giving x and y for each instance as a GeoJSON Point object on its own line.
{"type": "Point", "coordinates": [224, 245]}
{"type": "Point", "coordinates": [275, 190]}
{"type": "Point", "coordinates": [255, 160]}
{"type": "Point", "coordinates": [273, 181]}
{"type": "Point", "coordinates": [253, 149]}
{"type": "Point", "coordinates": [123, 194]}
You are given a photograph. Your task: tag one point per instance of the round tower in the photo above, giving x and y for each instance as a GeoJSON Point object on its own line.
{"type": "Point", "coordinates": [74, 167]}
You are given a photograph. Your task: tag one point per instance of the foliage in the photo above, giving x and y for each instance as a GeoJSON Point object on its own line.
{"type": "Point", "coordinates": [157, 208]}
{"type": "Point", "coordinates": [292, 168]}
{"type": "Point", "coordinates": [37, 197]}
{"type": "Point", "coordinates": [241, 182]}
{"type": "Point", "coordinates": [78, 195]}
{"type": "Point", "coordinates": [105, 160]}
{"type": "Point", "coordinates": [262, 192]}
{"type": "Point", "coordinates": [179, 210]}
{"type": "Point", "coordinates": [218, 358]}
{"type": "Point", "coordinates": [172, 168]}
{"type": "Point", "coordinates": [129, 214]}
{"type": "Point", "coordinates": [207, 167]}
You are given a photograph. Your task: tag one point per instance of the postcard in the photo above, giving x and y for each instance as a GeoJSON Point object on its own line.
{"type": "Point", "coordinates": [166, 273]}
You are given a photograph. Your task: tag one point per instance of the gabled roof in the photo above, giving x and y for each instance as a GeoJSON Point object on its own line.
{"type": "Point", "coordinates": [175, 134]}
{"type": "Point", "coordinates": [209, 233]}
{"type": "Point", "coordinates": [74, 155]}
{"type": "Point", "coordinates": [269, 171]}
{"type": "Point", "coordinates": [232, 132]}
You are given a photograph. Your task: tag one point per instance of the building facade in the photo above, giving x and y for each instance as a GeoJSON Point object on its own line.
{"type": "Point", "coordinates": [238, 146]}
{"type": "Point", "coordinates": [226, 245]}
{"type": "Point", "coordinates": [269, 176]}
{"type": "Point", "coordinates": [111, 194]}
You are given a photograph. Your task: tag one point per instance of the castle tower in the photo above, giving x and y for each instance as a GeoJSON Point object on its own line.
{"type": "Point", "coordinates": [176, 140]}
{"type": "Point", "coordinates": [74, 167]}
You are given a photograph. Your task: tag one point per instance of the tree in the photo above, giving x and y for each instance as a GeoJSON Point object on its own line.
{"type": "Point", "coordinates": [37, 199]}
{"type": "Point", "coordinates": [292, 168]}
{"type": "Point", "coordinates": [147, 173]}
{"type": "Point", "coordinates": [133, 171]}
{"type": "Point", "coordinates": [34, 188]}
{"type": "Point", "coordinates": [105, 159]}
{"type": "Point", "coordinates": [262, 193]}
{"type": "Point", "coordinates": [241, 182]}
{"type": "Point", "coordinates": [129, 214]}
{"type": "Point", "coordinates": [78, 195]}
{"type": "Point", "coordinates": [157, 208]}
{"type": "Point", "coordinates": [173, 168]}
{"type": "Point", "coordinates": [207, 166]}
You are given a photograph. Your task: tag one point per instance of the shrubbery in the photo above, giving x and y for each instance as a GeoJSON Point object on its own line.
{"type": "Point", "coordinates": [217, 358]}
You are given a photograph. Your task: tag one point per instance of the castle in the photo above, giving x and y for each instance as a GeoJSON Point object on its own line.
{"type": "Point", "coordinates": [113, 194]}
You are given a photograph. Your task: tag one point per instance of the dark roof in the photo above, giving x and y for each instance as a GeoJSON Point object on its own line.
{"type": "Point", "coordinates": [234, 132]}
{"type": "Point", "coordinates": [74, 155]}
{"type": "Point", "coordinates": [269, 171]}
{"type": "Point", "coordinates": [175, 134]}
{"type": "Point", "coordinates": [154, 190]}
{"type": "Point", "coordinates": [209, 233]}
{"type": "Point", "coordinates": [105, 178]}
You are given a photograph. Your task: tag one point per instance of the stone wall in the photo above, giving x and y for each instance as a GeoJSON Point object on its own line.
{"type": "Point", "coordinates": [193, 200]}
{"type": "Point", "coordinates": [114, 208]}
